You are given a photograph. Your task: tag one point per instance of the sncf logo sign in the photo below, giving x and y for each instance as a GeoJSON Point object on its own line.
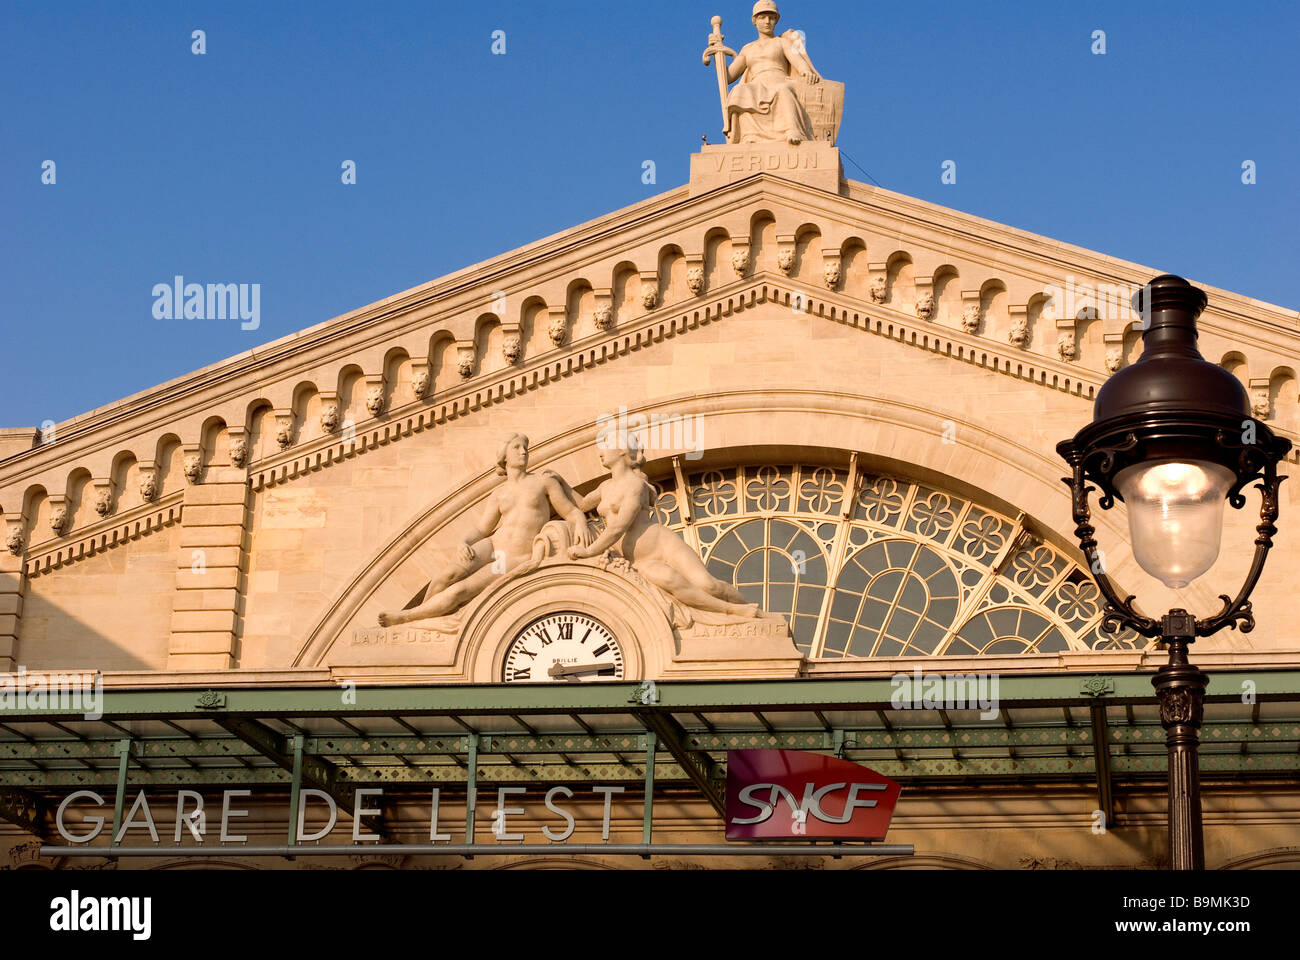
{"type": "Point", "coordinates": [790, 794]}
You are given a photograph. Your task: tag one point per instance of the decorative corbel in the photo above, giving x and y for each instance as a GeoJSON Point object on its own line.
{"type": "Point", "coordinates": [419, 378]}
{"type": "Point", "coordinates": [1018, 335]}
{"type": "Point", "coordinates": [466, 355]}
{"type": "Point", "coordinates": [971, 311]}
{"type": "Point", "coordinates": [879, 282]}
{"type": "Point", "coordinates": [695, 273]}
{"type": "Point", "coordinates": [512, 344]}
{"type": "Point", "coordinates": [238, 446]}
{"type": "Point", "coordinates": [374, 393]}
{"type": "Point", "coordinates": [15, 542]}
{"type": "Point", "coordinates": [557, 326]}
{"type": "Point", "coordinates": [1260, 404]}
{"type": "Point", "coordinates": [1067, 346]}
{"type": "Point", "coordinates": [59, 514]}
{"type": "Point", "coordinates": [602, 317]}
{"type": "Point", "coordinates": [740, 257]}
{"type": "Point", "coordinates": [329, 412]}
{"type": "Point", "coordinates": [103, 493]}
{"type": "Point", "coordinates": [283, 427]}
{"type": "Point", "coordinates": [831, 265]}
{"type": "Point", "coordinates": [193, 457]}
{"type": "Point", "coordinates": [925, 305]}
{"type": "Point", "coordinates": [649, 288]}
{"type": "Point", "coordinates": [603, 314]}
{"type": "Point", "coordinates": [1114, 351]}
{"type": "Point", "coordinates": [785, 250]}
{"type": "Point", "coordinates": [148, 479]}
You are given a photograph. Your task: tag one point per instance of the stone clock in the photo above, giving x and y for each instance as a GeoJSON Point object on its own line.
{"type": "Point", "coordinates": [563, 647]}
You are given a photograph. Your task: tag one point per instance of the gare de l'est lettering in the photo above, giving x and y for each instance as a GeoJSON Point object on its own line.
{"type": "Point", "coordinates": [617, 549]}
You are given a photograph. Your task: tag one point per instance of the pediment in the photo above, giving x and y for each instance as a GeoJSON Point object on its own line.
{"type": "Point", "coordinates": [909, 272]}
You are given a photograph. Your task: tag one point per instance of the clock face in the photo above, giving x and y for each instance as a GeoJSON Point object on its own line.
{"type": "Point", "coordinates": [564, 648]}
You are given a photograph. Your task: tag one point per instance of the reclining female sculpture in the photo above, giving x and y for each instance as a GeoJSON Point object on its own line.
{"type": "Point", "coordinates": [654, 551]}
{"type": "Point", "coordinates": [503, 543]}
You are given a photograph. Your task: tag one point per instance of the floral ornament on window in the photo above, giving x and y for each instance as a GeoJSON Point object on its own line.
{"type": "Point", "coordinates": [1077, 601]}
{"type": "Point", "coordinates": [1034, 568]}
{"type": "Point", "coordinates": [821, 492]}
{"type": "Point", "coordinates": [984, 538]}
{"type": "Point", "coordinates": [714, 493]}
{"type": "Point", "coordinates": [664, 507]}
{"type": "Point", "coordinates": [933, 515]}
{"type": "Point", "coordinates": [881, 500]}
{"type": "Point", "coordinates": [768, 488]}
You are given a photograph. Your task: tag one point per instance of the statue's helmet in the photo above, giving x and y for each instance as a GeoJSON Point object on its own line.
{"type": "Point", "coordinates": [765, 6]}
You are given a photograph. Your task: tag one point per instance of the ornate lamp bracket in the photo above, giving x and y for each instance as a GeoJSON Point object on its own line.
{"type": "Point", "coordinates": [1118, 611]}
{"type": "Point", "coordinates": [1237, 612]}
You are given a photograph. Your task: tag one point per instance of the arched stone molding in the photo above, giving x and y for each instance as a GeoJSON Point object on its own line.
{"type": "Point", "coordinates": [718, 271]}
{"type": "Point", "coordinates": [442, 363]}
{"type": "Point", "coordinates": [945, 287]}
{"type": "Point", "coordinates": [890, 435]}
{"type": "Point", "coordinates": [762, 241]}
{"type": "Point", "coordinates": [900, 288]}
{"type": "Point", "coordinates": [534, 337]}
{"type": "Point", "coordinates": [854, 271]}
{"type": "Point", "coordinates": [808, 262]}
{"type": "Point", "coordinates": [396, 383]}
{"type": "Point", "coordinates": [670, 264]}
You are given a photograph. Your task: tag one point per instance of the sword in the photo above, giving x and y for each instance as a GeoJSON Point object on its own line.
{"type": "Point", "coordinates": [720, 65]}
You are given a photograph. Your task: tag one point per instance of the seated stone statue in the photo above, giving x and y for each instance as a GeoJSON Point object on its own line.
{"type": "Point", "coordinates": [764, 106]}
{"type": "Point", "coordinates": [654, 551]}
{"type": "Point", "coordinates": [504, 543]}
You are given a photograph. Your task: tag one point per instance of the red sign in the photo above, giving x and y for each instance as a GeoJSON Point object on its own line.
{"type": "Point", "coordinates": [793, 795]}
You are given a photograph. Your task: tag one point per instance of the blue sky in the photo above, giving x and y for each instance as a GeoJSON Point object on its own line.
{"type": "Point", "coordinates": [225, 167]}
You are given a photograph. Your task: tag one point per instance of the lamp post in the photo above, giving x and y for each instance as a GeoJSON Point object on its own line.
{"type": "Point", "coordinates": [1173, 437]}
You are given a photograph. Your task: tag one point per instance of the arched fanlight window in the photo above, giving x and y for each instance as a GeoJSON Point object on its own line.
{"type": "Point", "coordinates": [879, 566]}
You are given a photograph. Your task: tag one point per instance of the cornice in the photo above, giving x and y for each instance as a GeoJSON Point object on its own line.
{"type": "Point", "coordinates": [135, 523]}
{"type": "Point", "coordinates": [912, 221]}
{"type": "Point", "coordinates": [419, 415]}
{"type": "Point", "coordinates": [1223, 302]}
{"type": "Point", "coordinates": [363, 320]}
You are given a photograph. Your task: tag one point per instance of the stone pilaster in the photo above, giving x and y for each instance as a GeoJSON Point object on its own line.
{"type": "Point", "coordinates": [210, 572]}
{"type": "Point", "coordinates": [13, 584]}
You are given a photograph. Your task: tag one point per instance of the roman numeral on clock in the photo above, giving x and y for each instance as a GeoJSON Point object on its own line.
{"type": "Point", "coordinates": [601, 650]}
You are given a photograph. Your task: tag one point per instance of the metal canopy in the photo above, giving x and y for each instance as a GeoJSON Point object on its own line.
{"type": "Point", "coordinates": [1042, 730]}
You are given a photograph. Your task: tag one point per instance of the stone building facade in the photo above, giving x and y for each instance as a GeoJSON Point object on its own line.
{"type": "Point", "coordinates": [845, 403]}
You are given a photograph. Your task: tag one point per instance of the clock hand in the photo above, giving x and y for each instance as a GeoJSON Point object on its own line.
{"type": "Point", "coordinates": [561, 670]}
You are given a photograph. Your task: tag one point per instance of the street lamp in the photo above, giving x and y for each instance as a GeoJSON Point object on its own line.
{"type": "Point", "coordinates": [1172, 436]}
